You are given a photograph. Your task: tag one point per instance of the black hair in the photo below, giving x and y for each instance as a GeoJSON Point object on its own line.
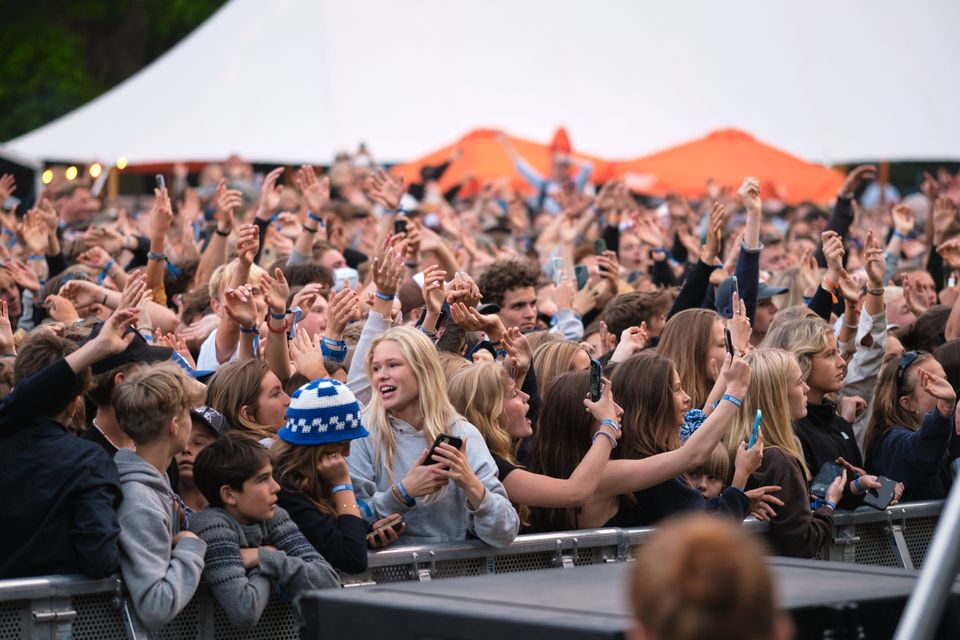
{"type": "Point", "coordinates": [230, 460]}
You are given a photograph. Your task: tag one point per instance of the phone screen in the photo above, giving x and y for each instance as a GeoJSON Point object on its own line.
{"type": "Point", "coordinates": [729, 340]}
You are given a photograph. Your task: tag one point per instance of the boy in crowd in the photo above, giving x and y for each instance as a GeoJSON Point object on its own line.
{"type": "Point", "coordinates": [161, 565]}
{"type": "Point", "coordinates": [208, 425]}
{"type": "Point", "coordinates": [251, 542]}
{"type": "Point", "coordinates": [58, 494]}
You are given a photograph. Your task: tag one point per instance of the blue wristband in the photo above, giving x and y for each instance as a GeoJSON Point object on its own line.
{"type": "Point", "coordinates": [729, 398]}
{"type": "Point", "coordinates": [897, 234]}
{"type": "Point", "coordinates": [613, 441]}
{"type": "Point", "coordinates": [856, 484]}
{"type": "Point", "coordinates": [278, 316]}
{"type": "Point", "coordinates": [610, 423]}
{"type": "Point", "coordinates": [334, 355]}
{"type": "Point", "coordinates": [342, 344]}
{"type": "Point", "coordinates": [384, 296]}
{"type": "Point", "coordinates": [316, 218]}
{"type": "Point", "coordinates": [342, 487]}
{"type": "Point", "coordinates": [250, 330]}
{"type": "Point", "coordinates": [831, 504]}
{"type": "Point", "coordinates": [103, 274]}
{"type": "Point", "coordinates": [406, 496]}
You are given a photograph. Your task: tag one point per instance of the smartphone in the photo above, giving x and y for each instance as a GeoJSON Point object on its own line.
{"type": "Point", "coordinates": [756, 428]}
{"type": "Point", "coordinates": [443, 438]}
{"type": "Point", "coordinates": [400, 225]}
{"type": "Point", "coordinates": [557, 270]}
{"type": "Point", "coordinates": [345, 277]}
{"type": "Point", "coordinates": [161, 182]}
{"type": "Point", "coordinates": [396, 525]}
{"type": "Point", "coordinates": [736, 286]}
{"type": "Point", "coordinates": [828, 473]}
{"type": "Point", "coordinates": [596, 382]}
{"type": "Point", "coordinates": [580, 271]}
{"type": "Point", "coordinates": [881, 498]}
{"type": "Point", "coordinates": [599, 246]}
{"type": "Point", "coordinates": [729, 340]}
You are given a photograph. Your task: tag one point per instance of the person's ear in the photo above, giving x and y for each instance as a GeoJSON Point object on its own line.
{"type": "Point", "coordinates": [246, 413]}
{"type": "Point", "coordinates": [906, 402]}
{"type": "Point", "coordinates": [118, 378]}
{"type": "Point", "coordinates": [215, 306]}
{"type": "Point", "coordinates": [227, 495]}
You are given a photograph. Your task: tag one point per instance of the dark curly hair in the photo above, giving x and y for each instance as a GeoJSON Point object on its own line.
{"type": "Point", "coordinates": [503, 275]}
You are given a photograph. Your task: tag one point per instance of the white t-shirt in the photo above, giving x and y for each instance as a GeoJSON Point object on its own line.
{"type": "Point", "coordinates": [207, 359]}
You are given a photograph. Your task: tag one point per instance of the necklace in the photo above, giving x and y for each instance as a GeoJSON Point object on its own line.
{"type": "Point", "coordinates": [108, 439]}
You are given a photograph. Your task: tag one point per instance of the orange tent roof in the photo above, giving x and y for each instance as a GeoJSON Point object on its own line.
{"type": "Point", "coordinates": [727, 156]}
{"type": "Point", "coordinates": [483, 156]}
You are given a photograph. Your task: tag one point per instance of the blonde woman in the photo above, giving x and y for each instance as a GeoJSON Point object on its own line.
{"type": "Point", "coordinates": [457, 492]}
{"type": "Point", "coordinates": [777, 388]}
{"type": "Point", "coordinates": [556, 357]}
{"type": "Point", "coordinates": [489, 398]}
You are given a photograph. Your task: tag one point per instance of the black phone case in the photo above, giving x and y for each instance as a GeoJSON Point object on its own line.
{"type": "Point", "coordinates": [828, 473]}
{"type": "Point", "coordinates": [451, 440]}
{"type": "Point", "coordinates": [880, 498]}
{"type": "Point", "coordinates": [596, 382]}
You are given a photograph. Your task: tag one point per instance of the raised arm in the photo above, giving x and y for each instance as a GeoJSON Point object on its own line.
{"type": "Point", "coordinates": [227, 202]}
{"type": "Point", "coordinates": [276, 290]}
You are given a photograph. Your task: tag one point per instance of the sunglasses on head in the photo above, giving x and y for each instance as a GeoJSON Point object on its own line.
{"type": "Point", "coordinates": [905, 361]}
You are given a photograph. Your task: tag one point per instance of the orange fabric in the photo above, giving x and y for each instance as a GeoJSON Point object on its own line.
{"type": "Point", "coordinates": [484, 157]}
{"type": "Point", "coordinates": [727, 156]}
{"type": "Point", "coordinates": [561, 142]}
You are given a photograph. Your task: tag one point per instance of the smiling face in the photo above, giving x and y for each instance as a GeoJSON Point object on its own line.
{"type": "Point", "coordinates": [272, 403]}
{"type": "Point", "coordinates": [257, 499]}
{"type": "Point", "coordinates": [393, 378]}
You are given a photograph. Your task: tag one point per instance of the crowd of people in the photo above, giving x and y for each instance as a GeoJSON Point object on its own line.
{"type": "Point", "coordinates": [258, 378]}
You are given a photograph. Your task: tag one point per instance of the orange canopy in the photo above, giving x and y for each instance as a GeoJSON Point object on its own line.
{"type": "Point", "coordinates": [727, 156]}
{"type": "Point", "coordinates": [484, 157]}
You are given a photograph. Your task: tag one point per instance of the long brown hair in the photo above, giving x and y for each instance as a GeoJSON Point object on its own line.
{"type": "Point", "coordinates": [295, 466]}
{"type": "Point", "coordinates": [686, 340]}
{"type": "Point", "coordinates": [887, 411]}
{"type": "Point", "coordinates": [234, 386]}
{"type": "Point", "coordinates": [564, 432]}
{"type": "Point", "coordinates": [642, 386]}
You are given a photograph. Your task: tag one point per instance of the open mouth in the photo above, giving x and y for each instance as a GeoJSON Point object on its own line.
{"type": "Point", "coordinates": [387, 391]}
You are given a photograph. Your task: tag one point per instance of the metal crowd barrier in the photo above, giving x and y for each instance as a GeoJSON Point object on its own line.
{"type": "Point", "coordinates": [76, 607]}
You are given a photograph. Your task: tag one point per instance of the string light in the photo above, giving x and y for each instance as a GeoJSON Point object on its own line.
{"type": "Point", "coordinates": [71, 173]}
{"type": "Point", "coordinates": [47, 176]}
{"type": "Point", "coordinates": [121, 163]}
{"type": "Point", "coordinates": [95, 170]}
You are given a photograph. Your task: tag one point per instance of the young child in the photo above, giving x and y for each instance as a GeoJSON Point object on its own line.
{"type": "Point", "coordinates": [161, 565]}
{"type": "Point", "coordinates": [710, 477]}
{"type": "Point", "coordinates": [251, 542]}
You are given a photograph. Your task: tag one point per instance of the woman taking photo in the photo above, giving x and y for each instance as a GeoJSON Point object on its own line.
{"type": "Point", "coordinates": [487, 396]}
{"type": "Point", "coordinates": [912, 436]}
{"type": "Point", "coordinates": [456, 492]}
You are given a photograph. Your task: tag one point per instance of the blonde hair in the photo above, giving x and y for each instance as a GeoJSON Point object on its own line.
{"type": "Point", "coordinates": [703, 578]}
{"type": "Point", "coordinates": [805, 338]}
{"type": "Point", "coordinates": [477, 393]}
{"type": "Point", "coordinates": [421, 356]}
{"type": "Point", "coordinates": [768, 391]}
{"type": "Point", "coordinates": [148, 397]}
{"type": "Point", "coordinates": [236, 385]}
{"type": "Point", "coordinates": [224, 273]}
{"type": "Point", "coordinates": [686, 340]}
{"type": "Point", "coordinates": [451, 363]}
{"type": "Point", "coordinates": [717, 464]}
{"type": "Point", "coordinates": [551, 359]}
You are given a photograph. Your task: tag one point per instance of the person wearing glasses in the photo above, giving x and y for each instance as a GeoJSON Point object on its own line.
{"type": "Point", "coordinates": [912, 435]}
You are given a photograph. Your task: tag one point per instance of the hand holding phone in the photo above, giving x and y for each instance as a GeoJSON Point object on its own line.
{"type": "Point", "coordinates": [756, 428]}
{"type": "Point", "coordinates": [828, 473]}
{"type": "Point", "coordinates": [596, 380]}
{"type": "Point", "coordinates": [443, 438]}
{"type": "Point", "coordinates": [728, 339]}
{"type": "Point", "coordinates": [386, 531]}
{"type": "Point", "coordinates": [161, 182]}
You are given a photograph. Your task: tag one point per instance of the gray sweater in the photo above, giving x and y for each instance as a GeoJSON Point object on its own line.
{"type": "Point", "coordinates": [160, 580]}
{"type": "Point", "coordinates": [243, 595]}
{"type": "Point", "coordinates": [446, 516]}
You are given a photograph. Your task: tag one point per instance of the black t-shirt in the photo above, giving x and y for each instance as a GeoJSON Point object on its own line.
{"type": "Point", "coordinates": [504, 468]}
{"type": "Point", "coordinates": [94, 435]}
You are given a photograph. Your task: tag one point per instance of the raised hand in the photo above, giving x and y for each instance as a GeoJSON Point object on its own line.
{"type": "Point", "coordinates": [874, 263]}
{"type": "Point", "coordinates": [61, 309]}
{"type": "Point", "coordinates": [306, 355]}
{"type": "Point", "coordinates": [385, 190]}
{"type": "Point", "coordinates": [387, 272]}
{"type": "Point", "coordinates": [134, 290]}
{"type": "Point", "coordinates": [711, 248]}
{"type": "Point", "coordinates": [161, 216]}
{"type": "Point", "coordinates": [316, 193]}
{"type": "Point", "coordinates": [270, 193]}
{"type": "Point", "coordinates": [604, 408]}
{"type": "Point", "coordinates": [833, 252]}
{"type": "Point", "coordinates": [344, 307]}
{"type": "Point", "coordinates": [860, 175]}
{"type": "Point", "coordinates": [739, 325]}
{"type": "Point", "coordinates": [228, 201]}
{"type": "Point", "coordinates": [748, 460]}
{"type": "Point", "coordinates": [177, 343]}
{"type": "Point", "coordinates": [114, 335]}
{"type": "Point", "coordinates": [749, 193]}
{"type": "Point", "coordinates": [275, 290]}
{"type": "Point", "coordinates": [240, 306]}
{"type": "Point", "coordinates": [915, 301]}
{"type": "Point", "coordinates": [737, 373]}
{"type": "Point", "coordinates": [518, 350]}
{"type": "Point", "coordinates": [950, 252]}
{"type": "Point", "coordinates": [938, 388]}
{"type": "Point", "coordinates": [83, 293]}
{"type": "Point", "coordinates": [944, 216]}
{"type": "Point", "coordinates": [433, 279]}
{"type": "Point", "coordinates": [7, 186]}
{"type": "Point", "coordinates": [632, 340]}
{"type": "Point", "coordinates": [248, 243]}
{"type": "Point", "coordinates": [7, 346]}
{"type": "Point", "coordinates": [463, 289]}
{"type": "Point", "coordinates": [95, 257]}
{"type": "Point", "coordinates": [22, 275]}
{"type": "Point", "coordinates": [470, 319]}
{"type": "Point", "coordinates": [904, 218]}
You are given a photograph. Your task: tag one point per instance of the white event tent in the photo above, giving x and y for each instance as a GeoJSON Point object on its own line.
{"type": "Point", "coordinates": [297, 80]}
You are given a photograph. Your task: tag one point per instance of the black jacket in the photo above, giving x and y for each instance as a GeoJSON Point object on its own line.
{"type": "Point", "coordinates": [341, 540]}
{"type": "Point", "coordinates": [676, 496]}
{"type": "Point", "coordinates": [58, 493]}
{"type": "Point", "coordinates": [825, 436]}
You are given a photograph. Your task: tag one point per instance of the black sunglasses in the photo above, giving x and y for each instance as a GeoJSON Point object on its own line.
{"type": "Point", "coordinates": [905, 361]}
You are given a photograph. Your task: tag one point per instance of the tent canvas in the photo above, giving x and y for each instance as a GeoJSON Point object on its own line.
{"type": "Point", "coordinates": [297, 80]}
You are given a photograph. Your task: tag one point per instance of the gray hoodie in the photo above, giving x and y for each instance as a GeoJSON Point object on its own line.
{"type": "Point", "coordinates": [160, 580]}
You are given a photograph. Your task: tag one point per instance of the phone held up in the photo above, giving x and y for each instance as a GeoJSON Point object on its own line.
{"type": "Point", "coordinates": [596, 380]}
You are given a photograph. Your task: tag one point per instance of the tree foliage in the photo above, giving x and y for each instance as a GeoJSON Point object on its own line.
{"type": "Point", "coordinates": [59, 54]}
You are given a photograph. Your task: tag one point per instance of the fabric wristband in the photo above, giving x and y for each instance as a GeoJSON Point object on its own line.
{"type": "Point", "coordinates": [384, 296]}
{"type": "Point", "coordinates": [279, 316]}
{"type": "Point", "coordinates": [105, 271]}
{"type": "Point", "coordinates": [334, 343]}
{"type": "Point", "coordinates": [831, 504]}
{"type": "Point", "coordinates": [342, 487]}
{"type": "Point", "coordinates": [610, 423]}
{"type": "Point", "coordinates": [222, 234]}
{"type": "Point", "coordinates": [407, 498]}
{"type": "Point", "coordinates": [613, 441]}
{"type": "Point", "coordinates": [856, 484]}
{"type": "Point", "coordinates": [897, 234]}
{"type": "Point", "coordinates": [249, 330]}
{"type": "Point", "coordinates": [334, 355]}
{"type": "Point", "coordinates": [310, 229]}
{"type": "Point", "coordinates": [316, 218]}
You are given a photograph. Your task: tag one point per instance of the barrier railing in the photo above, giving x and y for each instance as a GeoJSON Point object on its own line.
{"type": "Point", "coordinates": [80, 608]}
